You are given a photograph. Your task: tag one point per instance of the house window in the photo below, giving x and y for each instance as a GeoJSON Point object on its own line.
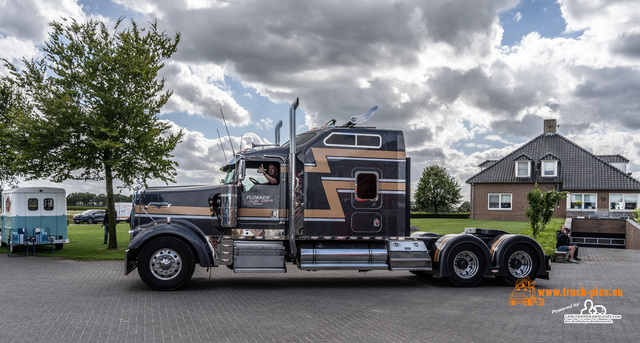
{"type": "Point", "coordinates": [523, 169]}
{"type": "Point", "coordinates": [549, 168]}
{"type": "Point", "coordinates": [499, 201]}
{"type": "Point", "coordinates": [623, 201]}
{"type": "Point", "coordinates": [580, 201]}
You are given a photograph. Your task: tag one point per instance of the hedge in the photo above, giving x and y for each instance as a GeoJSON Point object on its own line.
{"type": "Point", "coordinates": [457, 215]}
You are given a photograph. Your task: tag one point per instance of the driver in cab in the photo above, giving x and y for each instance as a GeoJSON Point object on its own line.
{"type": "Point", "coordinates": [271, 173]}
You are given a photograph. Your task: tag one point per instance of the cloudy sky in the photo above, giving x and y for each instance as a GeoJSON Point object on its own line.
{"type": "Point", "coordinates": [467, 80]}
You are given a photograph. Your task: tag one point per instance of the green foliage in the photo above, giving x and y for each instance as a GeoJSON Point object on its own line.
{"type": "Point", "coordinates": [465, 207]}
{"type": "Point", "coordinates": [541, 207]}
{"type": "Point", "coordinates": [13, 107]}
{"type": "Point", "coordinates": [636, 215]}
{"type": "Point", "coordinates": [447, 226]}
{"type": "Point", "coordinates": [547, 238]}
{"type": "Point", "coordinates": [97, 98]}
{"type": "Point", "coordinates": [437, 189]}
{"type": "Point", "coordinates": [458, 215]}
{"type": "Point", "coordinates": [92, 200]}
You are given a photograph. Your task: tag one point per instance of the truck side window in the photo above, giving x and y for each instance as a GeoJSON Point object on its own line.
{"type": "Point", "coordinates": [366, 186]}
{"type": "Point", "coordinates": [47, 204]}
{"type": "Point", "coordinates": [340, 139]}
{"type": "Point", "coordinates": [32, 204]}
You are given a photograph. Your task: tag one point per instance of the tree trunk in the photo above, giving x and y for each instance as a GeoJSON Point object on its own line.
{"type": "Point", "coordinates": [111, 207]}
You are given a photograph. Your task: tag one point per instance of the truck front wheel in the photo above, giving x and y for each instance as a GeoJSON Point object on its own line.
{"type": "Point", "coordinates": [466, 264]}
{"type": "Point", "coordinates": [520, 261]}
{"type": "Point", "coordinates": [166, 264]}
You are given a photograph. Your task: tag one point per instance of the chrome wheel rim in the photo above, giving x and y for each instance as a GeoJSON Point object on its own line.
{"type": "Point", "coordinates": [520, 264]}
{"type": "Point", "coordinates": [465, 264]}
{"type": "Point", "coordinates": [165, 264]}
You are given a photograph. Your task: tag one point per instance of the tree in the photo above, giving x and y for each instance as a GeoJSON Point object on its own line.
{"type": "Point", "coordinates": [12, 109]}
{"type": "Point", "coordinates": [437, 189]}
{"type": "Point", "coordinates": [97, 97]}
{"type": "Point", "coordinates": [541, 207]}
{"type": "Point", "coordinates": [465, 207]}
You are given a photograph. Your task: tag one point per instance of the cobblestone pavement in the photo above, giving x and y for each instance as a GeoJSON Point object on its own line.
{"type": "Point", "coordinates": [55, 300]}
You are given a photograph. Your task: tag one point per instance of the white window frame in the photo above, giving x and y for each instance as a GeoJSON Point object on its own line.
{"type": "Point", "coordinates": [624, 201]}
{"type": "Point", "coordinates": [570, 197]}
{"type": "Point", "coordinates": [499, 202]}
{"type": "Point", "coordinates": [555, 168]}
{"type": "Point", "coordinates": [356, 135]}
{"type": "Point", "coordinates": [528, 168]}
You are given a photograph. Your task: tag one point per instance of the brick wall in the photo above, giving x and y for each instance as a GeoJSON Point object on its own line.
{"type": "Point", "coordinates": [519, 203]}
{"type": "Point", "coordinates": [633, 235]}
{"type": "Point", "coordinates": [601, 225]}
{"type": "Point", "coordinates": [480, 202]}
{"type": "Point", "coordinates": [602, 206]}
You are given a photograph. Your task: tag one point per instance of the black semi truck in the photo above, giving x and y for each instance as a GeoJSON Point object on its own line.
{"type": "Point", "coordinates": [339, 199]}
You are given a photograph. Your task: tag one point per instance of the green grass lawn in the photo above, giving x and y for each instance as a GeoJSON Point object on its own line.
{"type": "Point", "coordinates": [447, 226]}
{"type": "Point", "coordinates": [85, 243]}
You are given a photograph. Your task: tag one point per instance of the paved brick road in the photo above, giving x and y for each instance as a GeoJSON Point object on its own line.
{"type": "Point", "coordinates": [53, 300]}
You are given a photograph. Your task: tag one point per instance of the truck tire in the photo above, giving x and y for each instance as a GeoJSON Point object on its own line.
{"type": "Point", "coordinates": [59, 246]}
{"type": "Point", "coordinates": [520, 261]}
{"type": "Point", "coordinates": [466, 263]}
{"type": "Point", "coordinates": [165, 264]}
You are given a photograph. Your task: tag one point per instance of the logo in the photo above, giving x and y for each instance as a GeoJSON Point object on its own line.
{"type": "Point", "coordinates": [160, 204]}
{"type": "Point", "coordinates": [8, 204]}
{"type": "Point", "coordinates": [524, 293]}
{"type": "Point", "coordinates": [591, 314]}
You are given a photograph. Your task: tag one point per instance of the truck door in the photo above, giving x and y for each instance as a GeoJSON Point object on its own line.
{"type": "Point", "coordinates": [260, 204]}
{"type": "Point", "coordinates": [366, 201]}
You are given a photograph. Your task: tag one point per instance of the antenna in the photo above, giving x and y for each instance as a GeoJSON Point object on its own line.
{"type": "Point", "coordinates": [222, 146]}
{"type": "Point", "coordinates": [225, 125]}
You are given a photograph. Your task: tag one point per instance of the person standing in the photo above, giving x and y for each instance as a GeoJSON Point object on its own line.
{"type": "Point", "coordinates": [105, 223]}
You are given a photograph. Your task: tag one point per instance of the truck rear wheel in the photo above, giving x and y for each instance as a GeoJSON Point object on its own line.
{"type": "Point", "coordinates": [466, 263]}
{"type": "Point", "coordinates": [520, 261]}
{"type": "Point", "coordinates": [166, 264]}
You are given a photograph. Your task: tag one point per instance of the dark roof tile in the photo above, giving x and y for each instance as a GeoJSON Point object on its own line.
{"type": "Point", "coordinates": [578, 169]}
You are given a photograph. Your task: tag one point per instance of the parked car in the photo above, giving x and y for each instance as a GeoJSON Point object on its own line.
{"type": "Point", "coordinates": [90, 216]}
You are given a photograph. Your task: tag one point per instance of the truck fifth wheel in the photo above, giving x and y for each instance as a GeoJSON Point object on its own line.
{"type": "Point", "coordinates": [336, 197]}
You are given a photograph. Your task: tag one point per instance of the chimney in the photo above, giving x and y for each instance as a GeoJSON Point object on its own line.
{"type": "Point", "coordinates": [549, 126]}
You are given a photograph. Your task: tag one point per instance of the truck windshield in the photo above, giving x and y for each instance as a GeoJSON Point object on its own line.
{"type": "Point", "coordinates": [230, 177]}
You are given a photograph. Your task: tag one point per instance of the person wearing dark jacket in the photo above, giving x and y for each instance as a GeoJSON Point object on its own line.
{"type": "Point", "coordinates": [105, 223]}
{"type": "Point", "coordinates": [563, 243]}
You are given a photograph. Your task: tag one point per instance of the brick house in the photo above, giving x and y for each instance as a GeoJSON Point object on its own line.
{"type": "Point", "coordinates": [598, 185]}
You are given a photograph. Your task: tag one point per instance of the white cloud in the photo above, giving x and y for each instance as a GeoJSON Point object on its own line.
{"type": "Point", "coordinates": [517, 16]}
{"type": "Point", "coordinates": [265, 123]}
{"type": "Point", "coordinates": [199, 89]}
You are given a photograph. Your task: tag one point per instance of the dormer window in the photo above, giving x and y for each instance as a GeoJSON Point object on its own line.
{"type": "Point", "coordinates": [550, 168]}
{"type": "Point", "coordinates": [523, 168]}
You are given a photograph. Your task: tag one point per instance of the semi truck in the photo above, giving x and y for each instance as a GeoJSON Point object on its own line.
{"type": "Point", "coordinates": [336, 198]}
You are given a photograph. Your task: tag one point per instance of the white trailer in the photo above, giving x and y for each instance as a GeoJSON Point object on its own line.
{"type": "Point", "coordinates": [35, 207]}
{"type": "Point", "coordinates": [123, 211]}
